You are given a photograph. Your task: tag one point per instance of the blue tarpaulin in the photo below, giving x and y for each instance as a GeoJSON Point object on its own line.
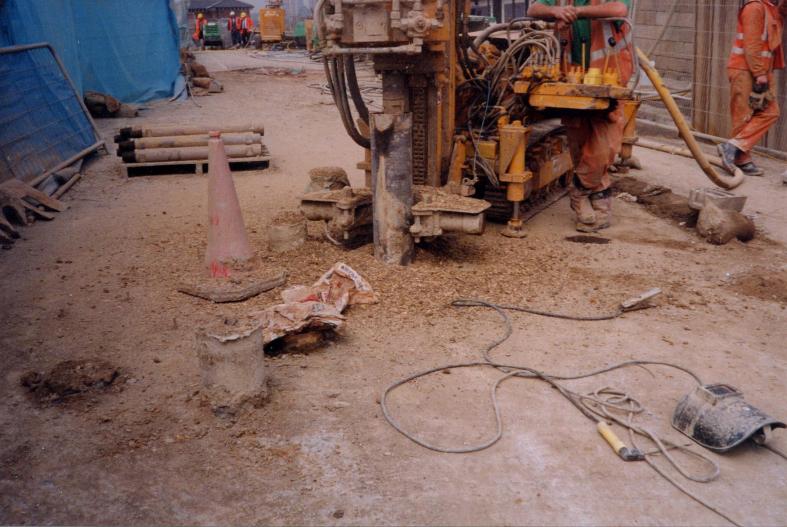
{"type": "Point", "coordinates": [127, 49]}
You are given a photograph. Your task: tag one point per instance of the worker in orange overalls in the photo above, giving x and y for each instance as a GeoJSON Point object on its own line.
{"type": "Point", "coordinates": [246, 26]}
{"type": "Point", "coordinates": [233, 26]}
{"type": "Point", "coordinates": [199, 30]}
{"type": "Point", "coordinates": [756, 53]}
{"type": "Point", "coordinates": [595, 138]}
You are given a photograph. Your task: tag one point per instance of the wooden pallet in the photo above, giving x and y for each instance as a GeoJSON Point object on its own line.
{"type": "Point", "coordinates": [164, 168]}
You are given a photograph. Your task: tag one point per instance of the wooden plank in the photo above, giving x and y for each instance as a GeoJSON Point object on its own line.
{"type": "Point", "coordinates": [189, 167]}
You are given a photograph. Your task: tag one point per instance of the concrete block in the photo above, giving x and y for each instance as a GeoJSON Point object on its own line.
{"type": "Point", "coordinates": [232, 365]}
{"type": "Point", "coordinates": [699, 197]}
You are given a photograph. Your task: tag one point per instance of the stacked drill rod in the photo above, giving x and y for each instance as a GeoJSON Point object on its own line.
{"type": "Point", "coordinates": [188, 143]}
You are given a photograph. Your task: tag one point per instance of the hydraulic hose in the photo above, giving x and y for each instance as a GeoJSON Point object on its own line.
{"type": "Point", "coordinates": [480, 39]}
{"type": "Point", "coordinates": [341, 88]}
{"type": "Point", "coordinates": [335, 78]}
{"type": "Point", "coordinates": [355, 90]}
{"type": "Point", "coordinates": [683, 128]}
{"type": "Point", "coordinates": [334, 75]}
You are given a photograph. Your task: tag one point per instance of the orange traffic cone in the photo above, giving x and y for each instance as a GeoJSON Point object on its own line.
{"type": "Point", "coordinates": [228, 243]}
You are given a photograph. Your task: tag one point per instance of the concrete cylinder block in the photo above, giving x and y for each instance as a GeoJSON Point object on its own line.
{"type": "Point", "coordinates": [232, 364]}
{"type": "Point", "coordinates": [287, 232]}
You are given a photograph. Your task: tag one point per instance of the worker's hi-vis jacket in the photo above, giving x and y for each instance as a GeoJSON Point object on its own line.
{"type": "Point", "coordinates": [245, 24]}
{"type": "Point", "coordinates": [200, 26]}
{"type": "Point", "coordinates": [758, 42]}
{"type": "Point", "coordinates": [602, 52]}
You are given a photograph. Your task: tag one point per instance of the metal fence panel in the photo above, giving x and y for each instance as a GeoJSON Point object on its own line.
{"type": "Point", "coordinates": [43, 121]}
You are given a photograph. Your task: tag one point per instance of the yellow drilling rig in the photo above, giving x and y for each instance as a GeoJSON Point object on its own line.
{"type": "Point", "coordinates": [470, 122]}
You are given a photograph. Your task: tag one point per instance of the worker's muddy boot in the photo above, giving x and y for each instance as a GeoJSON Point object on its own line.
{"type": "Point", "coordinates": [750, 169]}
{"type": "Point", "coordinates": [580, 204]}
{"type": "Point", "coordinates": [602, 206]}
{"type": "Point", "coordinates": [728, 152]}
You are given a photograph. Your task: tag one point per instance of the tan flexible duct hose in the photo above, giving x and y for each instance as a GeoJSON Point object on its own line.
{"type": "Point", "coordinates": [683, 128]}
{"type": "Point", "coordinates": [675, 150]}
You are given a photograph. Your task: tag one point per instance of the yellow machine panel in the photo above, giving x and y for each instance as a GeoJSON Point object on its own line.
{"type": "Point", "coordinates": [271, 24]}
{"type": "Point", "coordinates": [571, 96]}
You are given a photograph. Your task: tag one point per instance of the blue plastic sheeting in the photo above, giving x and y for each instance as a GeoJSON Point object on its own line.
{"type": "Point", "coordinates": [42, 121]}
{"type": "Point", "coordinates": [127, 49]}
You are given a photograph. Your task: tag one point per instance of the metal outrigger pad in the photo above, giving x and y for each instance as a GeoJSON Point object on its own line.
{"type": "Point", "coordinates": [717, 417]}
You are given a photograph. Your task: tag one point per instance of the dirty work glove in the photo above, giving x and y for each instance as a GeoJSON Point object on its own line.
{"type": "Point", "coordinates": [759, 98]}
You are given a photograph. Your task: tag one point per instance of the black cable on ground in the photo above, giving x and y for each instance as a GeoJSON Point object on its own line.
{"type": "Point", "coordinates": [603, 405]}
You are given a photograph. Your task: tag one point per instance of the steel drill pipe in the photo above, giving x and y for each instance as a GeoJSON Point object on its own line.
{"type": "Point", "coordinates": [190, 153]}
{"type": "Point", "coordinates": [185, 129]}
{"type": "Point", "coordinates": [180, 141]}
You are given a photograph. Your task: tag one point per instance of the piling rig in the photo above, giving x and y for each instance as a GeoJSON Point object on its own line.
{"type": "Point", "coordinates": [470, 123]}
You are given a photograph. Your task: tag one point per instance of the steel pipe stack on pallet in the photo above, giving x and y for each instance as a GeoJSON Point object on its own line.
{"type": "Point", "coordinates": [152, 149]}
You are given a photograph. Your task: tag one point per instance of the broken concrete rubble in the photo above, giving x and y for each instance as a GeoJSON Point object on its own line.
{"type": "Point", "coordinates": [103, 105]}
{"type": "Point", "coordinates": [719, 226]}
{"type": "Point", "coordinates": [208, 84]}
{"type": "Point", "coordinates": [326, 178]}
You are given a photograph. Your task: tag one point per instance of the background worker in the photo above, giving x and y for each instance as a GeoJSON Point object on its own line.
{"type": "Point", "coordinates": [595, 138]}
{"type": "Point", "coordinates": [245, 25]}
{"type": "Point", "coordinates": [199, 31]}
{"type": "Point", "coordinates": [756, 53]}
{"type": "Point", "coordinates": [233, 25]}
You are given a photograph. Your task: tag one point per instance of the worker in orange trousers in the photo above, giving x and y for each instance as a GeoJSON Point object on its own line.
{"type": "Point", "coordinates": [756, 53]}
{"type": "Point", "coordinates": [595, 138]}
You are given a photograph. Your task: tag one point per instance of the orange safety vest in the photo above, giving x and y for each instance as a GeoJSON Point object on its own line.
{"type": "Point", "coordinates": [245, 23]}
{"type": "Point", "coordinates": [600, 33]}
{"type": "Point", "coordinates": [772, 50]}
{"type": "Point", "coordinates": [199, 27]}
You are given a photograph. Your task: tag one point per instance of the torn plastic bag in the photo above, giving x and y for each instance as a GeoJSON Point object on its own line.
{"type": "Point", "coordinates": [316, 307]}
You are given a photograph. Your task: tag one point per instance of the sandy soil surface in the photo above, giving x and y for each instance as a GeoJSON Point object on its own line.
{"type": "Point", "coordinates": [100, 281]}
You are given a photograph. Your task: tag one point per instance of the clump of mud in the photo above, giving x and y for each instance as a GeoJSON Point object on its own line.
{"type": "Point", "coordinates": [764, 284]}
{"type": "Point", "coordinates": [659, 201]}
{"type": "Point", "coordinates": [70, 379]}
{"type": "Point", "coordinates": [581, 238]}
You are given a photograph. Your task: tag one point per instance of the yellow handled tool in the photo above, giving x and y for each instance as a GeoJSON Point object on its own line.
{"type": "Point", "coordinates": [625, 453]}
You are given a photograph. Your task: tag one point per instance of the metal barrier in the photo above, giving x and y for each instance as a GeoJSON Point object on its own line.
{"type": "Point", "coordinates": [44, 124]}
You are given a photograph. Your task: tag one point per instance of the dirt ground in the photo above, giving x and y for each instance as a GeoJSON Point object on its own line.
{"type": "Point", "coordinates": [99, 283]}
